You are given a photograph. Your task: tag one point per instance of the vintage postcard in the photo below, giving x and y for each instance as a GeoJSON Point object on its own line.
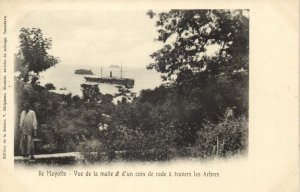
{"type": "Point", "coordinates": [149, 96]}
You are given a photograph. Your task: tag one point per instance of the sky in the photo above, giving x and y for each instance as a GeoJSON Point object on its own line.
{"type": "Point", "coordinates": [97, 37]}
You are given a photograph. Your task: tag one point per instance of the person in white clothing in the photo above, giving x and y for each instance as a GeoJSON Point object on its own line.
{"type": "Point", "coordinates": [28, 127]}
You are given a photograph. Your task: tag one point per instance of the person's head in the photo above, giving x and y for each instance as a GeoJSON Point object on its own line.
{"type": "Point", "coordinates": [26, 106]}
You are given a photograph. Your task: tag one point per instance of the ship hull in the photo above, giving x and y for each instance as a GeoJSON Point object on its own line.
{"type": "Point", "coordinates": [122, 81]}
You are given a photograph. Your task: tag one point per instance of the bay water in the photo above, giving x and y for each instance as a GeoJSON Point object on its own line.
{"type": "Point", "coordinates": [65, 80]}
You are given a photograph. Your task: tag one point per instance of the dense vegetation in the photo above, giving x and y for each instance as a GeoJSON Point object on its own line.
{"type": "Point", "coordinates": [182, 118]}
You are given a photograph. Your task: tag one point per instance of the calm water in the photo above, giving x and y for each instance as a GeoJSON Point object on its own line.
{"type": "Point", "coordinates": [63, 76]}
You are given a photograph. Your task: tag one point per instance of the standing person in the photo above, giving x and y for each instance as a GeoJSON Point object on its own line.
{"type": "Point", "coordinates": [229, 113]}
{"type": "Point", "coordinates": [28, 127]}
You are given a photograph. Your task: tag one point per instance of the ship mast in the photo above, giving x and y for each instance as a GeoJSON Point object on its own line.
{"type": "Point", "coordinates": [121, 73]}
{"type": "Point", "coordinates": [101, 65]}
{"type": "Point", "coordinates": [121, 70]}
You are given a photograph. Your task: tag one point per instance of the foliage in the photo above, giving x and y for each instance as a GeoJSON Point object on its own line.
{"type": "Point", "coordinates": [205, 58]}
{"type": "Point", "coordinates": [33, 53]}
{"type": "Point", "coordinates": [125, 93]}
{"type": "Point", "coordinates": [148, 129]}
{"type": "Point", "coordinates": [50, 86]}
{"type": "Point", "coordinates": [90, 92]}
{"type": "Point", "coordinates": [62, 119]}
{"type": "Point", "coordinates": [183, 118]}
{"type": "Point", "coordinates": [195, 32]}
{"type": "Point", "coordinates": [223, 139]}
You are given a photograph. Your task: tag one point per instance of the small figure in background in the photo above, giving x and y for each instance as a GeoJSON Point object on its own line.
{"type": "Point", "coordinates": [229, 113]}
{"type": "Point", "coordinates": [28, 127]}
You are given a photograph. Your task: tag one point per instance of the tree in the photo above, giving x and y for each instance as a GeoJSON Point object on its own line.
{"type": "Point", "coordinates": [90, 92]}
{"type": "Point", "coordinates": [196, 34]}
{"type": "Point", "coordinates": [205, 58]}
{"type": "Point", "coordinates": [125, 93]}
{"type": "Point", "coordinates": [50, 86]}
{"type": "Point", "coordinates": [34, 52]}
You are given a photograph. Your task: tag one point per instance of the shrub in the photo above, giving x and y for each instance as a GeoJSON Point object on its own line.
{"type": "Point", "coordinates": [223, 139]}
{"type": "Point", "coordinates": [50, 86]}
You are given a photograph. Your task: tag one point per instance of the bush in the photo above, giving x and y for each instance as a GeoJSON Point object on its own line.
{"type": "Point", "coordinates": [92, 150]}
{"type": "Point", "coordinates": [50, 86]}
{"type": "Point", "coordinates": [223, 139]}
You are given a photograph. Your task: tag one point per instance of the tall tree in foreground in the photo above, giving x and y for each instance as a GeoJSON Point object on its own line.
{"type": "Point", "coordinates": [210, 42]}
{"type": "Point", "coordinates": [205, 58]}
{"type": "Point", "coordinates": [33, 50]}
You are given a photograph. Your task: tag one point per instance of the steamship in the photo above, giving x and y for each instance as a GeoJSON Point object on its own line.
{"type": "Point", "coordinates": [127, 82]}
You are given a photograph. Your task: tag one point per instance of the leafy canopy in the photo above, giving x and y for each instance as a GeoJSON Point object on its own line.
{"type": "Point", "coordinates": [34, 49]}
{"type": "Point", "coordinates": [198, 42]}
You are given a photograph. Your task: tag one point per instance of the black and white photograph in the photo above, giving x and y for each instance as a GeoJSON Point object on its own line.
{"type": "Point", "coordinates": [172, 96]}
{"type": "Point", "coordinates": [105, 86]}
